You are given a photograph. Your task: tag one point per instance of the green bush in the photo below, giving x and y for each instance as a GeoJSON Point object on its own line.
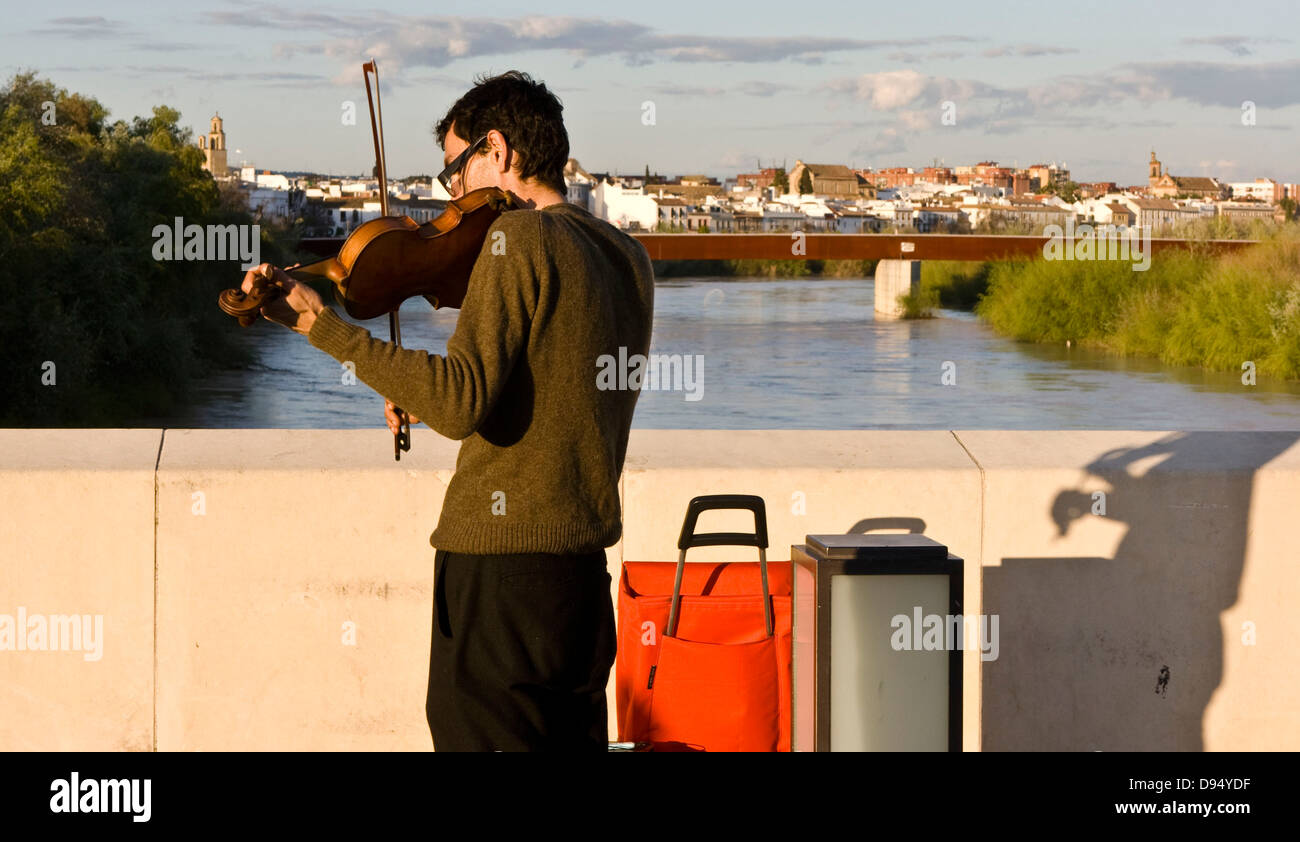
{"type": "Point", "coordinates": [1188, 308]}
{"type": "Point", "coordinates": [79, 199]}
{"type": "Point", "coordinates": [958, 284]}
{"type": "Point", "coordinates": [764, 268]}
{"type": "Point", "coordinates": [919, 304]}
{"type": "Point", "coordinates": [1245, 307]}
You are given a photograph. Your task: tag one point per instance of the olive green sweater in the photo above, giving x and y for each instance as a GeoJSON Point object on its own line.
{"type": "Point", "coordinates": [553, 290]}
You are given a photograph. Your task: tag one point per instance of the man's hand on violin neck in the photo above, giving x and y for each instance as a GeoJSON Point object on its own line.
{"type": "Point", "coordinates": [296, 309]}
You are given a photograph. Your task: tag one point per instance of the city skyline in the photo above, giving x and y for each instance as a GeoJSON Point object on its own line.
{"type": "Point", "coordinates": [729, 89]}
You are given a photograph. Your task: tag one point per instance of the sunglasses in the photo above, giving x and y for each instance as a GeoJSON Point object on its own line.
{"type": "Point", "coordinates": [453, 169]}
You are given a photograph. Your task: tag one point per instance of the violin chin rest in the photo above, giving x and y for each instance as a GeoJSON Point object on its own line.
{"type": "Point", "coordinates": [503, 202]}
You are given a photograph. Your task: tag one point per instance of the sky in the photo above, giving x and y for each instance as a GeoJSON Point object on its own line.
{"type": "Point", "coordinates": [1093, 86]}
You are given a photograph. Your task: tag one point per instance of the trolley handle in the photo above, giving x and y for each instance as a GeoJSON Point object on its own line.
{"type": "Point", "coordinates": [704, 503]}
{"type": "Point", "coordinates": [688, 539]}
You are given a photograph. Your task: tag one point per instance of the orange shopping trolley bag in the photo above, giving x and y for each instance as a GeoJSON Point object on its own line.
{"type": "Point", "coordinates": [704, 648]}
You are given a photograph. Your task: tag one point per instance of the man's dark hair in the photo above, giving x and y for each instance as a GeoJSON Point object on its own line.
{"type": "Point", "coordinates": [529, 116]}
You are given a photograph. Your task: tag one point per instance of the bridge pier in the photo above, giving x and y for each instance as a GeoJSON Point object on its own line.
{"type": "Point", "coordinates": [895, 278]}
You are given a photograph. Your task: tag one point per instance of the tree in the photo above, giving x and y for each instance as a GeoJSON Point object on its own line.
{"type": "Point", "coordinates": [122, 333]}
{"type": "Point", "coordinates": [1068, 190]}
{"type": "Point", "coordinates": [805, 182]}
{"type": "Point", "coordinates": [780, 181]}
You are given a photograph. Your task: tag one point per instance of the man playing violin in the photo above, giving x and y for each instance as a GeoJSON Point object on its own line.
{"type": "Point", "coordinates": [523, 622]}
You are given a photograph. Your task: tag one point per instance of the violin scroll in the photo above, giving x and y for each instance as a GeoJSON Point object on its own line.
{"type": "Point", "coordinates": [248, 306]}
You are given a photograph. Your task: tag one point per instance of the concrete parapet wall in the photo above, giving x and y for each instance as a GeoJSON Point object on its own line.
{"type": "Point", "coordinates": [287, 576]}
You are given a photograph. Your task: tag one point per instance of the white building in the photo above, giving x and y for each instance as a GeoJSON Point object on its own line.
{"type": "Point", "coordinates": [1100, 210]}
{"type": "Point", "coordinates": [782, 217]}
{"type": "Point", "coordinates": [1157, 214]}
{"type": "Point", "coordinates": [272, 181]}
{"type": "Point", "coordinates": [327, 189]}
{"type": "Point", "coordinates": [939, 218]}
{"type": "Point", "coordinates": [272, 203]}
{"type": "Point", "coordinates": [919, 191]}
{"type": "Point", "coordinates": [857, 222]}
{"type": "Point", "coordinates": [1204, 208]}
{"type": "Point", "coordinates": [818, 216]}
{"type": "Point", "coordinates": [1261, 189]}
{"type": "Point", "coordinates": [355, 188]}
{"type": "Point", "coordinates": [578, 185]}
{"type": "Point", "coordinates": [420, 209]}
{"type": "Point", "coordinates": [987, 192]}
{"type": "Point", "coordinates": [672, 211]}
{"type": "Point", "coordinates": [1247, 210]}
{"type": "Point", "coordinates": [344, 216]}
{"type": "Point", "coordinates": [1021, 213]}
{"type": "Point", "coordinates": [712, 218]}
{"type": "Point", "coordinates": [624, 206]}
{"type": "Point", "coordinates": [897, 212]}
{"type": "Point", "coordinates": [417, 189]}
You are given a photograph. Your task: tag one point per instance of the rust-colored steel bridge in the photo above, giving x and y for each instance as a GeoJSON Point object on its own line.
{"type": "Point", "coordinates": [787, 246]}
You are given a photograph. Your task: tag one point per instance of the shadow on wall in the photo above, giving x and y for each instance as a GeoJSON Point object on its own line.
{"type": "Point", "coordinates": [1124, 653]}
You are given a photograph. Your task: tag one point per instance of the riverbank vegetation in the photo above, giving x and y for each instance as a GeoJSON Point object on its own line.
{"type": "Point", "coordinates": [95, 329]}
{"type": "Point", "coordinates": [764, 268]}
{"type": "Point", "coordinates": [1189, 308]}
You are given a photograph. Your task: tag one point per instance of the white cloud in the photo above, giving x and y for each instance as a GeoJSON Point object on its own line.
{"type": "Point", "coordinates": [1237, 45]}
{"type": "Point", "coordinates": [891, 90]}
{"type": "Point", "coordinates": [1027, 51]}
{"type": "Point", "coordinates": [435, 41]}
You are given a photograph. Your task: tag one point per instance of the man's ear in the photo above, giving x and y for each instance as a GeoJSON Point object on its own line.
{"type": "Point", "coordinates": [498, 142]}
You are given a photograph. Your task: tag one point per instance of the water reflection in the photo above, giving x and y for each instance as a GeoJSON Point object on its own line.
{"type": "Point", "coordinates": [796, 354]}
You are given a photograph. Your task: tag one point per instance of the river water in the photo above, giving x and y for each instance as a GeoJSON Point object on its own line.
{"type": "Point", "coordinates": [793, 354]}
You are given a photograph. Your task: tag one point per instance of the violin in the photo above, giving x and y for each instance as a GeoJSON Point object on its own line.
{"type": "Point", "coordinates": [387, 260]}
{"type": "Point", "coordinates": [392, 258]}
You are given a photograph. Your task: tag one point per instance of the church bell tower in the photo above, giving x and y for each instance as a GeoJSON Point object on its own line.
{"type": "Point", "coordinates": [214, 148]}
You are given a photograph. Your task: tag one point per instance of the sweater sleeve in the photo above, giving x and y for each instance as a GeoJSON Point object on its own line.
{"type": "Point", "coordinates": [454, 393]}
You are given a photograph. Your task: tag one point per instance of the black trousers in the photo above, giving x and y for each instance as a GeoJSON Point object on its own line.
{"type": "Point", "coordinates": [521, 653]}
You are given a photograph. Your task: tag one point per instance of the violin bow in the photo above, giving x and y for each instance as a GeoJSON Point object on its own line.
{"type": "Point", "coordinates": [402, 438]}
